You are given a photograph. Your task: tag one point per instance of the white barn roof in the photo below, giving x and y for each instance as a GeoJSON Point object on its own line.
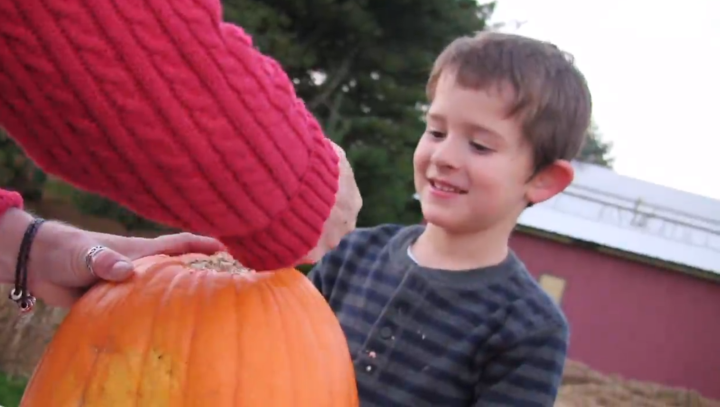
{"type": "Point", "coordinates": [634, 216]}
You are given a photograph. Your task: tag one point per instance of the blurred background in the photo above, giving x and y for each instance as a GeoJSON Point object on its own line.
{"type": "Point", "coordinates": [631, 251]}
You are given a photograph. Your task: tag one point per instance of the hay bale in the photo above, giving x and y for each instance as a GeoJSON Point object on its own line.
{"type": "Point", "coordinates": [584, 387]}
{"type": "Point", "coordinates": [23, 338]}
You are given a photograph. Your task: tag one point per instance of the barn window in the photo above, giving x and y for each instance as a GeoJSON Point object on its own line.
{"type": "Point", "coordinates": [554, 286]}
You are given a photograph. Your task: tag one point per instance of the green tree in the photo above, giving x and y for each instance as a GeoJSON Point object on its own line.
{"type": "Point", "coordinates": [18, 172]}
{"type": "Point", "coordinates": [361, 67]}
{"type": "Point", "coordinates": [596, 150]}
{"type": "Point", "coordinates": [96, 205]}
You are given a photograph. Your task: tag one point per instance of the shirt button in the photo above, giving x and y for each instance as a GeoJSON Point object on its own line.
{"type": "Point", "coordinates": [386, 332]}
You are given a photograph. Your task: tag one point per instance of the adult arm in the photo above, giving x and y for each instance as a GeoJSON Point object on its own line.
{"type": "Point", "coordinates": [57, 272]}
{"type": "Point", "coordinates": [9, 245]}
{"type": "Point", "coordinates": [9, 199]}
{"type": "Point", "coordinates": [528, 372]}
{"type": "Point", "coordinates": [162, 107]}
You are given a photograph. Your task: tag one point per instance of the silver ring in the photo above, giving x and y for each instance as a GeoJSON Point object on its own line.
{"type": "Point", "coordinates": [90, 256]}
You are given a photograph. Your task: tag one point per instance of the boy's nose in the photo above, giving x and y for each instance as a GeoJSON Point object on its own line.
{"type": "Point", "coordinates": [447, 154]}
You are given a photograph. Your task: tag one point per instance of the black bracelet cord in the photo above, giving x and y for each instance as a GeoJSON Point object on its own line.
{"type": "Point", "coordinates": [20, 293]}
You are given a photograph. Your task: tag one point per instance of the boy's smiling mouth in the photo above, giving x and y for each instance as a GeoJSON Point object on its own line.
{"type": "Point", "coordinates": [445, 187]}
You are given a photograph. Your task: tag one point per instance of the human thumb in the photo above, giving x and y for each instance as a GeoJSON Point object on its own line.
{"type": "Point", "coordinates": [107, 264]}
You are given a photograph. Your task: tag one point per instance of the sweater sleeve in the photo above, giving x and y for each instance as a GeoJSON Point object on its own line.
{"type": "Point", "coordinates": [528, 373]}
{"type": "Point", "coordinates": [162, 107]}
{"type": "Point", "coordinates": [9, 199]}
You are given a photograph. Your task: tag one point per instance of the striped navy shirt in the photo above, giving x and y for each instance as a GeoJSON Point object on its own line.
{"type": "Point", "coordinates": [427, 337]}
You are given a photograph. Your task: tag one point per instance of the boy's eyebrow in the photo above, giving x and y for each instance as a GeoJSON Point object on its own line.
{"type": "Point", "coordinates": [435, 117]}
{"type": "Point", "coordinates": [475, 128]}
{"type": "Point", "coordinates": [472, 128]}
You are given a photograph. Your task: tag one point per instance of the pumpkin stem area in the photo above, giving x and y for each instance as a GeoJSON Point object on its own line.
{"type": "Point", "coordinates": [221, 262]}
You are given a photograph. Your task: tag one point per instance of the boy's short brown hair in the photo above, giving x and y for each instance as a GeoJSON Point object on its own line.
{"type": "Point", "coordinates": [551, 96]}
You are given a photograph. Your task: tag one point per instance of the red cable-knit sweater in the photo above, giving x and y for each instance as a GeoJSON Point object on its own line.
{"type": "Point", "coordinates": [162, 107]}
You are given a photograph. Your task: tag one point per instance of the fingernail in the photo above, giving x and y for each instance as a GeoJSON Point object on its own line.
{"type": "Point", "coordinates": [120, 270]}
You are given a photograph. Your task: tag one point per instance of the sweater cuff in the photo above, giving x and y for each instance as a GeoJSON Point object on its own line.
{"type": "Point", "coordinates": [296, 231]}
{"type": "Point", "coordinates": [9, 199]}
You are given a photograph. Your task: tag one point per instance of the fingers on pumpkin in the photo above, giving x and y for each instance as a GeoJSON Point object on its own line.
{"type": "Point", "coordinates": [182, 243]}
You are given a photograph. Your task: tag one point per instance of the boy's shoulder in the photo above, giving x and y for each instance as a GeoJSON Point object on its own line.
{"type": "Point", "coordinates": [531, 307]}
{"type": "Point", "coordinates": [367, 244]}
{"type": "Point", "coordinates": [378, 234]}
{"type": "Point", "coordinates": [362, 254]}
{"type": "Point", "coordinates": [368, 240]}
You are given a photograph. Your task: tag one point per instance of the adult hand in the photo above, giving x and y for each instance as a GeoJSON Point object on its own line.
{"type": "Point", "coordinates": [343, 216]}
{"type": "Point", "coordinates": [57, 272]}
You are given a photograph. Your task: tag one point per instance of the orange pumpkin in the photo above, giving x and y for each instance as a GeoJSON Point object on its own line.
{"type": "Point", "coordinates": [197, 330]}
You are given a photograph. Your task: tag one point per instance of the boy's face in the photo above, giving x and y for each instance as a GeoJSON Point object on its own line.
{"type": "Point", "coordinates": [473, 168]}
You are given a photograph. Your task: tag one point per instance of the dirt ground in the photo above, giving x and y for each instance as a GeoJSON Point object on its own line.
{"type": "Point", "coordinates": [584, 387]}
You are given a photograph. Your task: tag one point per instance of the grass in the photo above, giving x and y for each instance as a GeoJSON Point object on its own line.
{"type": "Point", "coordinates": [11, 391]}
{"type": "Point", "coordinates": [56, 188]}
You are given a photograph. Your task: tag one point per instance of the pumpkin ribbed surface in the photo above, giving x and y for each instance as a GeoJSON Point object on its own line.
{"type": "Point", "coordinates": [197, 330]}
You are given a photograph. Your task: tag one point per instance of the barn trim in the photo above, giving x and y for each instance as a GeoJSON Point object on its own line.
{"type": "Point", "coordinates": [658, 263]}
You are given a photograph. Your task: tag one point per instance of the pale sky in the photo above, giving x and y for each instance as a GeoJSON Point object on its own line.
{"type": "Point", "coordinates": [654, 72]}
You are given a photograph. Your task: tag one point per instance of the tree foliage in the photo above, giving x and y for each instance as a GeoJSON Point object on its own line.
{"type": "Point", "coordinates": [596, 150]}
{"type": "Point", "coordinates": [361, 66]}
{"type": "Point", "coordinates": [17, 171]}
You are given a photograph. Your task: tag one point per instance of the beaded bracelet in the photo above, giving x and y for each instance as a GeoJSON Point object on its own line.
{"type": "Point", "coordinates": [20, 293]}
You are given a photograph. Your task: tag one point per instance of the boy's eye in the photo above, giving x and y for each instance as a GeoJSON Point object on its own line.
{"type": "Point", "coordinates": [479, 147]}
{"type": "Point", "coordinates": [436, 134]}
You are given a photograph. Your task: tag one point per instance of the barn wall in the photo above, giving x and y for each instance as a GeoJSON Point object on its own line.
{"type": "Point", "coordinates": [639, 321]}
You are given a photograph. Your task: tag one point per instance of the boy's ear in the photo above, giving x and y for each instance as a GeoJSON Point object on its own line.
{"type": "Point", "coordinates": [550, 181]}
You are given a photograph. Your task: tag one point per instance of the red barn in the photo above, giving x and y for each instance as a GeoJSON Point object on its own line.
{"type": "Point", "coordinates": [636, 269]}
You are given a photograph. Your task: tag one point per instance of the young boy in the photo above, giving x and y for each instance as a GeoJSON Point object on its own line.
{"type": "Point", "coordinates": [445, 314]}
